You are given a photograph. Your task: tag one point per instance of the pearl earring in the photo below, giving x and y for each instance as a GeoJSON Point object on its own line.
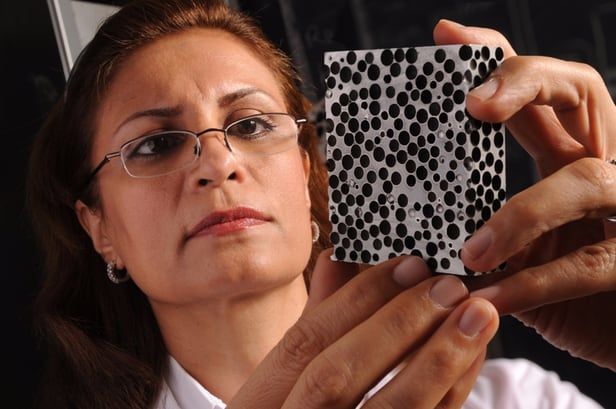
{"type": "Point", "coordinates": [315, 231]}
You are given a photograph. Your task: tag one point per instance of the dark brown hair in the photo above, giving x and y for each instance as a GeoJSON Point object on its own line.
{"type": "Point", "coordinates": [104, 346]}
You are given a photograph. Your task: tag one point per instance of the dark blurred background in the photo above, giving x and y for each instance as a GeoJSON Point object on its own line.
{"type": "Point", "coordinates": [32, 79]}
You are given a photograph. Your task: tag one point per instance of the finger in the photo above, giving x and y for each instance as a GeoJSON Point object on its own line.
{"type": "Point", "coordinates": [327, 277]}
{"type": "Point", "coordinates": [576, 93]}
{"type": "Point", "coordinates": [324, 324]}
{"type": "Point", "coordinates": [585, 271]}
{"type": "Point", "coordinates": [450, 32]}
{"type": "Point", "coordinates": [458, 394]}
{"type": "Point", "coordinates": [343, 373]}
{"type": "Point", "coordinates": [528, 122]}
{"type": "Point", "coordinates": [443, 361]}
{"type": "Point", "coordinates": [582, 189]}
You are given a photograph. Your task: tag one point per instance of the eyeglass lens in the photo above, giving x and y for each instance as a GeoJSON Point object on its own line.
{"type": "Point", "coordinates": [168, 151]}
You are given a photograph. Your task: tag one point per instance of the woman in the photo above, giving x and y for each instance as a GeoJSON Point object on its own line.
{"type": "Point", "coordinates": [180, 279]}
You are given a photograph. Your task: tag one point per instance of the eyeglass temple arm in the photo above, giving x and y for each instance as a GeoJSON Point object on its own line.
{"type": "Point", "coordinates": [102, 163]}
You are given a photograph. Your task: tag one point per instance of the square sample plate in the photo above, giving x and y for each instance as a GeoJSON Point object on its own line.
{"type": "Point", "coordinates": [410, 172]}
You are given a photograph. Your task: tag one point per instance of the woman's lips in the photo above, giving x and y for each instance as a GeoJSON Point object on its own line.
{"type": "Point", "coordinates": [228, 227]}
{"type": "Point", "coordinates": [228, 221]}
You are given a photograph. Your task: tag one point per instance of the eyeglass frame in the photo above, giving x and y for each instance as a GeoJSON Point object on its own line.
{"type": "Point", "coordinates": [197, 135]}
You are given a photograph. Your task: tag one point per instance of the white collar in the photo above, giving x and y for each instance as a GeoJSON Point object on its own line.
{"type": "Point", "coordinates": [187, 392]}
{"type": "Point", "coordinates": [182, 391]}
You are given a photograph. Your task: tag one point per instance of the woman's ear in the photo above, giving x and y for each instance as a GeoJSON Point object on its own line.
{"type": "Point", "coordinates": [306, 166]}
{"type": "Point", "coordinates": [93, 223]}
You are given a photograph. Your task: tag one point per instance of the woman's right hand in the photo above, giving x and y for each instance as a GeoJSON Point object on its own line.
{"type": "Point", "coordinates": [348, 338]}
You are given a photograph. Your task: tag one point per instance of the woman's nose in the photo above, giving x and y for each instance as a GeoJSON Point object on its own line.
{"type": "Point", "coordinates": [216, 163]}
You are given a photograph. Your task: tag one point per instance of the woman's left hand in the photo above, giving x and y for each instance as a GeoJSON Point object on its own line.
{"type": "Point", "coordinates": [561, 253]}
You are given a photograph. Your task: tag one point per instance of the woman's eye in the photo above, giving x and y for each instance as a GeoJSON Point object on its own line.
{"type": "Point", "coordinates": [251, 128]}
{"type": "Point", "coordinates": [157, 144]}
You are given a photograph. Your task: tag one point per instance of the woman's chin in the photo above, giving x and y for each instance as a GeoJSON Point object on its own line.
{"type": "Point", "coordinates": [227, 276]}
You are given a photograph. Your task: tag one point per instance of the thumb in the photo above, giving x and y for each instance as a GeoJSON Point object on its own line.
{"type": "Point", "coordinates": [328, 276]}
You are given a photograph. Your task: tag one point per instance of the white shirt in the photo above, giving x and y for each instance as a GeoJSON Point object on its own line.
{"type": "Point", "coordinates": [502, 384]}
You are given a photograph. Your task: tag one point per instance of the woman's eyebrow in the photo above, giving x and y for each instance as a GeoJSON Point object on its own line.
{"type": "Point", "coordinates": [170, 112]}
{"type": "Point", "coordinates": [164, 112]}
{"type": "Point", "coordinates": [230, 98]}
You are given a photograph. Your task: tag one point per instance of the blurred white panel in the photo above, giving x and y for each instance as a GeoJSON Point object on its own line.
{"type": "Point", "coordinates": [88, 17]}
{"type": "Point", "coordinates": [75, 23]}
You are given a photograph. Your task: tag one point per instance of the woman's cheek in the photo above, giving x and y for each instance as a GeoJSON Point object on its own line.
{"type": "Point", "coordinates": [142, 230]}
{"type": "Point", "coordinates": [292, 193]}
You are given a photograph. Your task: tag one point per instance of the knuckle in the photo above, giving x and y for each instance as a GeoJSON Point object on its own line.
{"type": "Point", "coordinates": [445, 360]}
{"type": "Point", "coordinates": [360, 298]}
{"type": "Point", "coordinates": [588, 71]}
{"type": "Point", "coordinates": [536, 278]}
{"type": "Point", "coordinates": [327, 383]}
{"type": "Point", "coordinates": [524, 64]}
{"type": "Point", "coordinates": [536, 281]}
{"type": "Point", "coordinates": [402, 320]}
{"type": "Point", "coordinates": [595, 172]}
{"type": "Point", "coordinates": [522, 212]}
{"type": "Point", "coordinates": [595, 260]}
{"type": "Point", "coordinates": [301, 343]}
{"type": "Point", "coordinates": [519, 209]}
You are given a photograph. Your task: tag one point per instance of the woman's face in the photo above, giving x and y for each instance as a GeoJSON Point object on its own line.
{"type": "Point", "coordinates": [195, 80]}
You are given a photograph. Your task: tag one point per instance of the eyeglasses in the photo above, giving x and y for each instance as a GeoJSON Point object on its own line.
{"type": "Point", "coordinates": [162, 153]}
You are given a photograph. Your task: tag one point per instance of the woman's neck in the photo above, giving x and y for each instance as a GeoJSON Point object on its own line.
{"type": "Point", "coordinates": [221, 343]}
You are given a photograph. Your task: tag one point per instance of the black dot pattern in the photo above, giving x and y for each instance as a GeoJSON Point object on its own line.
{"type": "Point", "coordinates": [410, 172]}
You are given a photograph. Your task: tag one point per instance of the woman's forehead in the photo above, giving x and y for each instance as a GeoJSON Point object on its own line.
{"type": "Point", "coordinates": [197, 65]}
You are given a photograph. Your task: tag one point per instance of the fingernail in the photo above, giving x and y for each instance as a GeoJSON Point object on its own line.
{"type": "Point", "coordinates": [410, 271]}
{"type": "Point", "coordinates": [475, 319]}
{"type": "Point", "coordinates": [477, 245]}
{"type": "Point", "coordinates": [448, 291]}
{"type": "Point", "coordinates": [486, 90]}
